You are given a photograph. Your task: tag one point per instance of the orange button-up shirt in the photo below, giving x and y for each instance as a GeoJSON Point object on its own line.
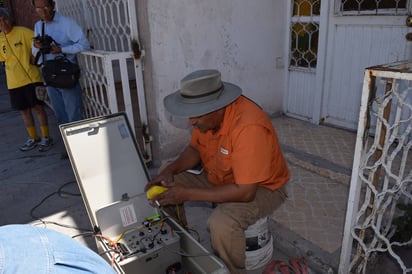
{"type": "Point", "coordinates": [244, 150]}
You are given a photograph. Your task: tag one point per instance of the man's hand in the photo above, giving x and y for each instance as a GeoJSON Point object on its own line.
{"type": "Point", "coordinates": [163, 179]}
{"type": "Point", "coordinates": [55, 49]}
{"type": "Point", "coordinates": [173, 196]}
{"type": "Point", "coordinates": [154, 191]}
{"type": "Point", "coordinates": [37, 43]}
{"type": "Point", "coordinates": [187, 159]}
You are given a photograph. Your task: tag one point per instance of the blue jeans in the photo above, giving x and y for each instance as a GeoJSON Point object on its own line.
{"type": "Point", "coordinates": [38, 250]}
{"type": "Point", "coordinates": [67, 103]}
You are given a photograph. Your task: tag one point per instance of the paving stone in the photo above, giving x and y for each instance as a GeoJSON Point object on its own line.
{"type": "Point", "coordinates": [309, 223]}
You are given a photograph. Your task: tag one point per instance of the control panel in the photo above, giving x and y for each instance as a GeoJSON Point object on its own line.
{"type": "Point", "coordinates": [153, 247]}
{"type": "Point", "coordinates": [147, 239]}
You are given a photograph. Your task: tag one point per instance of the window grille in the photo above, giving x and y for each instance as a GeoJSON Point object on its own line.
{"type": "Point", "coordinates": [112, 78]}
{"type": "Point", "coordinates": [304, 32]}
{"type": "Point", "coordinates": [372, 7]}
{"type": "Point", "coordinates": [379, 213]}
{"type": "Point", "coordinates": [107, 21]}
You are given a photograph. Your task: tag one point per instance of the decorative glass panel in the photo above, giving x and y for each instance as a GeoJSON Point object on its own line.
{"type": "Point", "coordinates": [373, 7]}
{"type": "Point", "coordinates": [304, 33]}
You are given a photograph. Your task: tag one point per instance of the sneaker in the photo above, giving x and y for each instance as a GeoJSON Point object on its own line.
{"type": "Point", "coordinates": [45, 144]}
{"type": "Point", "coordinates": [29, 144]}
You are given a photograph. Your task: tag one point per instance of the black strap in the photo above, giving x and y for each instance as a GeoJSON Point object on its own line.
{"type": "Point", "coordinates": [37, 57]}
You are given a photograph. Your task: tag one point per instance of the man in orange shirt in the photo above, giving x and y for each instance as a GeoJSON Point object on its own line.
{"type": "Point", "coordinates": [244, 169]}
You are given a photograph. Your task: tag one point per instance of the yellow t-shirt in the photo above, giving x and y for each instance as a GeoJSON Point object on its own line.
{"type": "Point", "coordinates": [15, 51]}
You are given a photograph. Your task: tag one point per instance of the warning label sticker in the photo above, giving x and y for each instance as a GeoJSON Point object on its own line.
{"type": "Point", "coordinates": [128, 215]}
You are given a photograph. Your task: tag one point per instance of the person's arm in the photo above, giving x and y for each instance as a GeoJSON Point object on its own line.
{"type": "Point", "coordinates": [178, 193]}
{"type": "Point", "coordinates": [250, 163]}
{"type": "Point", "coordinates": [187, 159]}
{"type": "Point", "coordinates": [35, 45]}
{"type": "Point", "coordinates": [78, 40]}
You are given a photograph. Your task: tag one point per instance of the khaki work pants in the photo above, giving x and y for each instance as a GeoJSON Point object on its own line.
{"type": "Point", "coordinates": [228, 221]}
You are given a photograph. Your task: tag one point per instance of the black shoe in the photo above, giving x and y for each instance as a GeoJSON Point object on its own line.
{"type": "Point", "coordinates": [29, 144]}
{"type": "Point", "coordinates": [45, 144]}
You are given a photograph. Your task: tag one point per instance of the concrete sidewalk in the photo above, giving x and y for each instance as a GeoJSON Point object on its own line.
{"type": "Point", "coordinates": [36, 185]}
{"type": "Point", "coordinates": [40, 188]}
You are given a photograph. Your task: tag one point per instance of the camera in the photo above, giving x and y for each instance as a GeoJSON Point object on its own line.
{"type": "Point", "coordinates": [45, 41]}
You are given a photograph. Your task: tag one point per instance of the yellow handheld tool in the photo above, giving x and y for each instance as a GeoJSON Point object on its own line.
{"type": "Point", "coordinates": [154, 191]}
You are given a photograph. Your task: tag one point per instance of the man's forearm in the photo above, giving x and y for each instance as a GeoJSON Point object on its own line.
{"type": "Point", "coordinates": [187, 159]}
{"type": "Point", "coordinates": [222, 193]}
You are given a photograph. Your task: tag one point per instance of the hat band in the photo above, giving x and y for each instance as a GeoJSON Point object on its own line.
{"type": "Point", "coordinates": [193, 99]}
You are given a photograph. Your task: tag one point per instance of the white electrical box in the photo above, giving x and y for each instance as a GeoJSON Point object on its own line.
{"type": "Point", "coordinates": [111, 174]}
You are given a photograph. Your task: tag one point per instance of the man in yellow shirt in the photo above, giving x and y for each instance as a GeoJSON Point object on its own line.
{"type": "Point", "coordinates": [22, 79]}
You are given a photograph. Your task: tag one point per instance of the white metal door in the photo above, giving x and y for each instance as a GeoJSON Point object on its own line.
{"type": "Point", "coordinates": [306, 47]}
{"type": "Point", "coordinates": [348, 42]}
{"type": "Point", "coordinates": [357, 40]}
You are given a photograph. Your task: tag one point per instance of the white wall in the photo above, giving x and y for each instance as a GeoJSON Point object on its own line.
{"type": "Point", "coordinates": [241, 38]}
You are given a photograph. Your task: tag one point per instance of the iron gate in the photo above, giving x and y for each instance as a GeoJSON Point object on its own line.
{"type": "Point", "coordinates": [112, 72]}
{"type": "Point", "coordinates": [379, 213]}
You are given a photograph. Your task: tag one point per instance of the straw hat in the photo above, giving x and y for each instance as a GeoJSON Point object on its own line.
{"type": "Point", "coordinates": [201, 92]}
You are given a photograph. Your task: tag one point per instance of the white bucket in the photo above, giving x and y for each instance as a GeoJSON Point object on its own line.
{"type": "Point", "coordinates": [260, 257]}
{"type": "Point", "coordinates": [259, 244]}
{"type": "Point", "coordinates": [257, 235]}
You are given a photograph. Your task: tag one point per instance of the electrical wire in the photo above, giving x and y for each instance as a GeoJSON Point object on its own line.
{"type": "Point", "coordinates": [116, 254]}
{"type": "Point", "coordinates": [120, 236]}
{"type": "Point", "coordinates": [85, 234]}
{"type": "Point", "coordinates": [180, 221]}
{"type": "Point", "coordinates": [113, 248]}
{"type": "Point", "coordinates": [184, 254]}
{"type": "Point", "coordinates": [63, 194]}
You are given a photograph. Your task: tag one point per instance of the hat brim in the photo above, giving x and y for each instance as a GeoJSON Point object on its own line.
{"type": "Point", "coordinates": [176, 106]}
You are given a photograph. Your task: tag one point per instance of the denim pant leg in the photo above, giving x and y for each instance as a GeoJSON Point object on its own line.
{"type": "Point", "coordinates": [38, 250]}
{"type": "Point", "coordinates": [73, 103]}
{"type": "Point", "coordinates": [57, 102]}
{"type": "Point", "coordinates": [67, 103]}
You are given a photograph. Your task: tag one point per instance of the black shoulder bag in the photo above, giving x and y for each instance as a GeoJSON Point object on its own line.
{"type": "Point", "coordinates": [59, 72]}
